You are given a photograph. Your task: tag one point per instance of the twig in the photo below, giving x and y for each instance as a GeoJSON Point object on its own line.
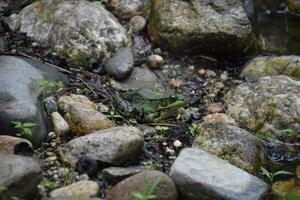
{"type": "Point", "coordinates": [88, 86]}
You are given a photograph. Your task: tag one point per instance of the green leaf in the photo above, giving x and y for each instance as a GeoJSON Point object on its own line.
{"type": "Point", "coordinates": [154, 186]}
{"type": "Point", "coordinates": [282, 173]}
{"type": "Point", "coordinates": [137, 195]}
{"type": "Point", "coordinates": [29, 125]}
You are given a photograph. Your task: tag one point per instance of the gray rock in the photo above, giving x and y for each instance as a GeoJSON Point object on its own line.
{"type": "Point", "coordinates": [14, 6]}
{"type": "Point", "coordinates": [20, 176]}
{"type": "Point", "coordinates": [114, 146]}
{"type": "Point", "coordinates": [121, 64]}
{"type": "Point", "coordinates": [117, 174]}
{"type": "Point", "coordinates": [81, 32]}
{"type": "Point", "coordinates": [50, 105]}
{"type": "Point", "coordinates": [14, 145]}
{"type": "Point", "coordinates": [125, 9]}
{"type": "Point", "coordinates": [271, 66]}
{"type": "Point", "coordinates": [19, 94]}
{"type": "Point", "coordinates": [267, 106]}
{"type": "Point", "coordinates": [155, 61]}
{"type": "Point", "coordinates": [231, 143]}
{"type": "Point", "coordinates": [214, 27]}
{"type": "Point", "coordinates": [2, 45]}
{"type": "Point", "coordinates": [200, 175]}
{"type": "Point", "coordinates": [166, 189]}
{"type": "Point", "coordinates": [137, 23]}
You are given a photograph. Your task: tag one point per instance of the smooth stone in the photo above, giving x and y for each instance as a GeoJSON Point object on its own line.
{"type": "Point", "coordinates": [14, 145]}
{"type": "Point", "coordinates": [233, 144]}
{"type": "Point", "coordinates": [200, 175]}
{"type": "Point", "coordinates": [81, 32]}
{"type": "Point", "coordinates": [166, 189]}
{"type": "Point", "coordinates": [219, 117]}
{"type": "Point", "coordinates": [125, 9]}
{"type": "Point", "coordinates": [155, 61]}
{"type": "Point", "coordinates": [214, 27]}
{"type": "Point", "coordinates": [286, 187]}
{"type": "Point", "coordinates": [115, 146]}
{"type": "Point", "coordinates": [82, 115]}
{"type": "Point", "coordinates": [50, 105]}
{"type": "Point", "coordinates": [271, 66]}
{"type": "Point", "coordinates": [117, 174]}
{"type": "Point", "coordinates": [20, 176]}
{"type": "Point", "coordinates": [267, 106]}
{"type": "Point", "coordinates": [121, 64]}
{"type": "Point", "coordinates": [78, 191]}
{"type": "Point", "coordinates": [60, 126]}
{"type": "Point", "coordinates": [137, 23]}
{"type": "Point", "coordinates": [19, 94]}
{"type": "Point", "coordinates": [215, 107]}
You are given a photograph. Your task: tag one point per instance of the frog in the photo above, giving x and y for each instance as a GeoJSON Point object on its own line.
{"type": "Point", "coordinates": [150, 104]}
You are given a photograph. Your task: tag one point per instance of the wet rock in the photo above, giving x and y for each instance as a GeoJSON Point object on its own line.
{"type": "Point", "coordinates": [125, 9]}
{"type": "Point", "coordinates": [121, 64]}
{"type": "Point", "coordinates": [60, 126]}
{"type": "Point", "coordinates": [166, 189]}
{"type": "Point", "coordinates": [211, 27]}
{"type": "Point", "coordinates": [82, 115]}
{"type": "Point", "coordinates": [286, 187]}
{"type": "Point", "coordinates": [114, 146]}
{"type": "Point", "coordinates": [155, 61]}
{"type": "Point", "coordinates": [81, 32]}
{"type": "Point", "coordinates": [117, 174]}
{"type": "Point", "coordinates": [219, 117]}
{"type": "Point", "coordinates": [87, 165]}
{"type": "Point", "coordinates": [14, 145]}
{"type": "Point", "coordinates": [271, 66]}
{"type": "Point", "coordinates": [199, 174]}
{"type": "Point", "coordinates": [231, 143]}
{"type": "Point", "coordinates": [16, 173]}
{"type": "Point", "coordinates": [79, 190]}
{"type": "Point", "coordinates": [215, 107]}
{"type": "Point", "coordinates": [137, 23]}
{"type": "Point", "coordinates": [267, 106]}
{"type": "Point", "coordinates": [19, 94]}
{"type": "Point", "coordinates": [50, 105]}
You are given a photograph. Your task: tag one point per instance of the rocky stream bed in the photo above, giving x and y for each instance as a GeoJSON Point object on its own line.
{"type": "Point", "coordinates": [140, 100]}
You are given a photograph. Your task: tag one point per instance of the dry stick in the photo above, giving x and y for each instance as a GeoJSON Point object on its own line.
{"type": "Point", "coordinates": [88, 87]}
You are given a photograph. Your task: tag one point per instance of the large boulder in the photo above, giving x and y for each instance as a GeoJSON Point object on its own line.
{"type": "Point", "coordinates": [81, 32]}
{"type": "Point", "coordinates": [200, 175]}
{"type": "Point", "coordinates": [19, 176]}
{"type": "Point", "coordinates": [115, 146]}
{"type": "Point", "coordinates": [166, 189]}
{"type": "Point", "coordinates": [271, 66]}
{"type": "Point", "coordinates": [270, 107]}
{"type": "Point", "coordinates": [217, 27]}
{"type": "Point", "coordinates": [231, 143]}
{"type": "Point", "coordinates": [19, 94]}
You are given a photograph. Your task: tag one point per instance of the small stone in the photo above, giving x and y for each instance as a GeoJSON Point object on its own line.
{"type": "Point", "coordinates": [220, 117]}
{"type": "Point", "coordinates": [83, 177]}
{"type": "Point", "coordinates": [215, 107]}
{"type": "Point", "coordinates": [117, 174]}
{"type": "Point", "coordinates": [224, 76]}
{"type": "Point", "coordinates": [50, 105]}
{"type": "Point", "coordinates": [175, 84]}
{"type": "Point", "coordinates": [125, 9]}
{"type": "Point", "coordinates": [34, 44]}
{"type": "Point", "coordinates": [79, 190]}
{"type": "Point", "coordinates": [52, 135]}
{"type": "Point", "coordinates": [177, 144]}
{"type": "Point", "coordinates": [210, 73]}
{"type": "Point", "coordinates": [285, 187]}
{"type": "Point", "coordinates": [103, 108]}
{"type": "Point", "coordinates": [63, 172]}
{"type": "Point", "coordinates": [170, 152]}
{"type": "Point", "coordinates": [60, 126]}
{"type": "Point", "coordinates": [137, 23]}
{"type": "Point", "coordinates": [155, 61]}
{"type": "Point", "coordinates": [201, 72]}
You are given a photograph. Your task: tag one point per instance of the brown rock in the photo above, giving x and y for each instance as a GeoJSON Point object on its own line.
{"type": "Point", "coordinates": [10, 145]}
{"type": "Point", "coordinates": [215, 107]}
{"type": "Point", "coordinates": [220, 117]}
{"type": "Point", "coordinates": [60, 126]}
{"type": "Point", "coordinates": [166, 189]}
{"type": "Point", "coordinates": [283, 188]}
{"type": "Point", "coordinates": [82, 114]}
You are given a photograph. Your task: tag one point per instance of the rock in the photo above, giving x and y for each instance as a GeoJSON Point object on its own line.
{"type": "Point", "coordinates": [117, 174]}
{"type": "Point", "coordinates": [231, 143]}
{"type": "Point", "coordinates": [219, 117]}
{"type": "Point", "coordinates": [213, 27]}
{"type": "Point", "coordinates": [60, 126]}
{"type": "Point", "coordinates": [121, 64]}
{"type": "Point", "coordinates": [267, 106]}
{"type": "Point", "coordinates": [3, 45]}
{"type": "Point", "coordinates": [114, 146]}
{"type": "Point", "coordinates": [77, 191]}
{"type": "Point", "coordinates": [19, 94]}
{"type": "Point", "coordinates": [199, 174]}
{"type": "Point", "coordinates": [17, 172]}
{"type": "Point", "coordinates": [271, 66]}
{"type": "Point", "coordinates": [215, 107]}
{"type": "Point", "coordinates": [139, 78]}
{"type": "Point", "coordinates": [50, 105]}
{"type": "Point", "coordinates": [14, 6]}
{"type": "Point", "coordinates": [177, 144]}
{"type": "Point", "coordinates": [137, 24]}
{"type": "Point", "coordinates": [166, 189]}
{"type": "Point", "coordinates": [14, 145]}
{"type": "Point", "coordinates": [81, 32]}
{"type": "Point", "coordinates": [125, 9]}
{"type": "Point", "coordinates": [82, 115]}
{"type": "Point", "coordinates": [283, 188]}
{"type": "Point", "coordinates": [155, 61]}
{"type": "Point", "coordinates": [294, 5]}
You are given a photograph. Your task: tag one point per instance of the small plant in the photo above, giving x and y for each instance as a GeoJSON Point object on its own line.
{"type": "Point", "coordinates": [193, 129]}
{"type": "Point", "coordinates": [25, 128]}
{"type": "Point", "coordinates": [114, 116]}
{"type": "Point", "coordinates": [102, 1]}
{"type": "Point", "coordinates": [47, 184]}
{"type": "Point", "coordinates": [49, 87]}
{"type": "Point", "coordinates": [159, 136]}
{"type": "Point", "coordinates": [270, 175]}
{"type": "Point", "coordinates": [147, 191]}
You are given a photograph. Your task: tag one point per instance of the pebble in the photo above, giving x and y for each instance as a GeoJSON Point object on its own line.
{"type": "Point", "coordinates": [215, 107]}
{"type": "Point", "coordinates": [175, 84]}
{"type": "Point", "coordinates": [201, 72]}
{"type": "Point", "coordinates": [210, 73]}
{"type": "Point", "coordinates": [155, 61]}
{"type": "Point", "coordinates": [52, 135]}
{"type": "Point", "coordinates": [177, 143]}
{"type": "Point", "coordinates": [60, 126]}
{"type": "Point", "coordinates": [137, 23]}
